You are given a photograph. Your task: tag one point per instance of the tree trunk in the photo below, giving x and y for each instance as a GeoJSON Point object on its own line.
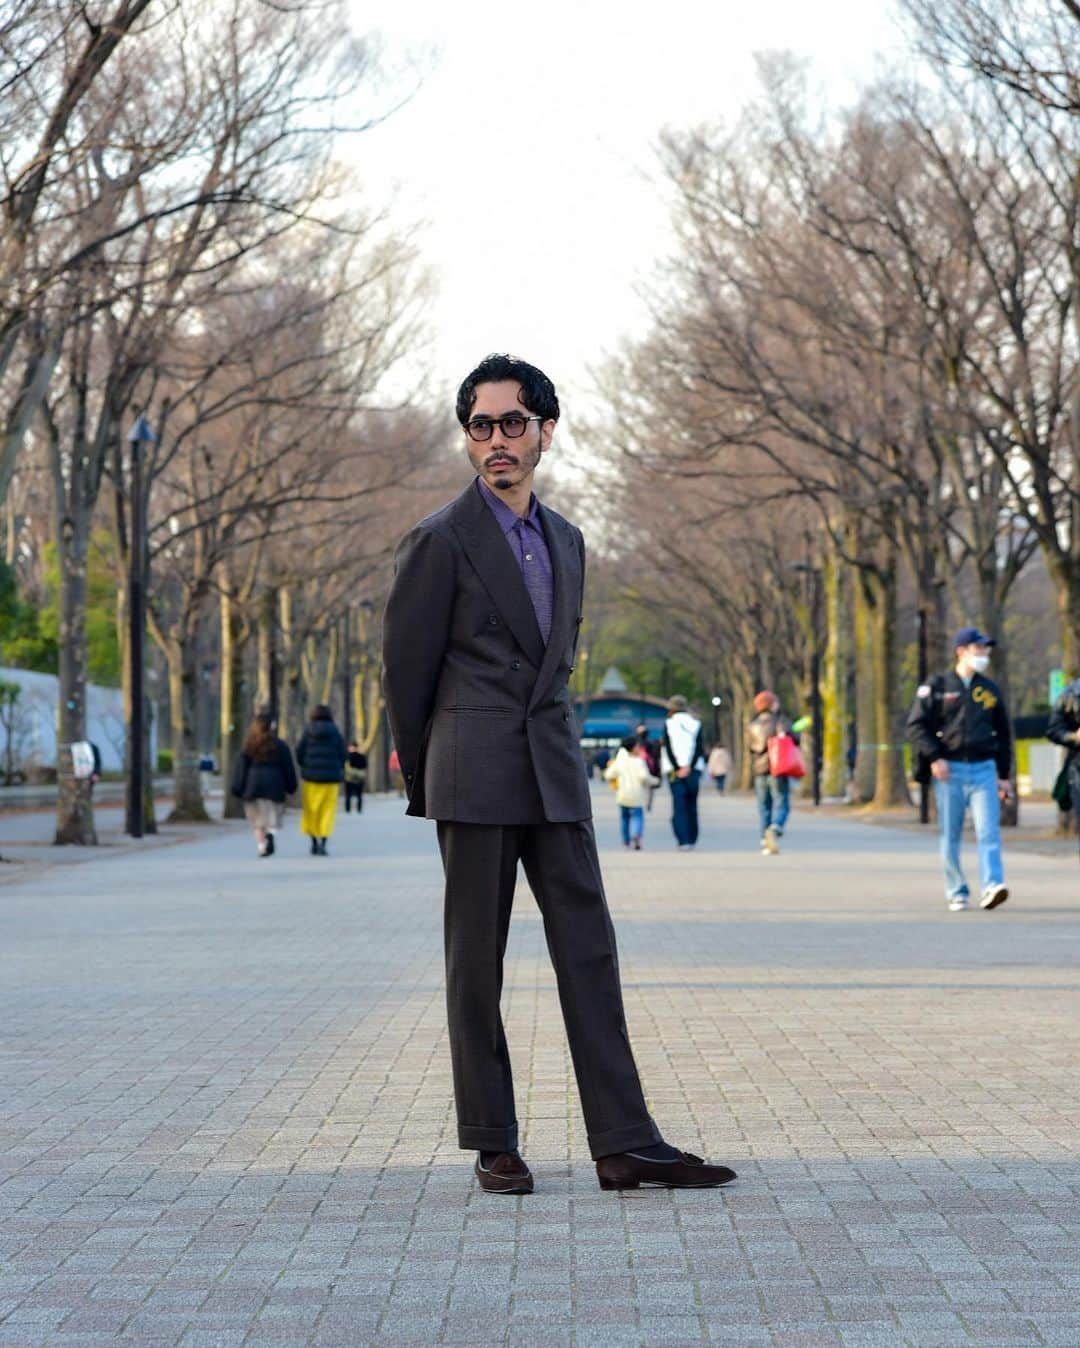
{"type": "Point", "coordinates": [367, 704]}
{"type": "Point", "coordinates": [266, 678]}
{"type": "Point", "coordinates": [188, 806]}
{"type": "Point", "coordinates": [741, 697]}
{"type": "Point", "coordinates": [1066, 574]}
{"type": "Point", "coordinates": [332, 642]}
{"type": "Point", "coordinates": [232, 699]}
{"type": "Point", "coordinates": [74, 806]}
{"type": "Point", "coordinates": [292, 697]}
{"type": "Point", "coordinates": [890, 782]}
{"type": "Point", "coordinates": [865, 755]}
{"type": "Point", "coordinates": [834, 710]}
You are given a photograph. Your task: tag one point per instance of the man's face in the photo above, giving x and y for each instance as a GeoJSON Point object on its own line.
{"type": "Point", "coordinates": [503, 461]}
{"type": "Point", "coordinates": [966, 655]}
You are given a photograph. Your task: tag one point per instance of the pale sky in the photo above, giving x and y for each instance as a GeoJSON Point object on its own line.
{"type": "Point", "coordinates": [528, 149]}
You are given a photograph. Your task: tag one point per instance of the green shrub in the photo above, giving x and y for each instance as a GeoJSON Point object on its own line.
{"type": "Point", "coordinates": [164, 761]}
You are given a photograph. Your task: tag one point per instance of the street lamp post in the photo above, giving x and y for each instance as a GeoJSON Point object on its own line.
{"type": "Point", "coordinates": [924, 787]}
{"type": "Point", "coordinates": [140, 434]}
{"type": "Point", "coordinates": [716, 701]}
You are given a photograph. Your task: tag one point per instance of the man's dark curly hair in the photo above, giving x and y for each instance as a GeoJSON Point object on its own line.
{"type": "Point", "coordinates": [538, 394]}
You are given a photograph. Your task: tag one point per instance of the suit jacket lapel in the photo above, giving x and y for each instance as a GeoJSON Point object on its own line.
{"type": "Point", "coordinates": [495, 564]}
{"type": "Point", "coordinates": [567, 575]}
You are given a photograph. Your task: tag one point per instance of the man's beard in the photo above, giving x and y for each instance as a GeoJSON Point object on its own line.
{"type": "Point", "coordinates": [524, 463]}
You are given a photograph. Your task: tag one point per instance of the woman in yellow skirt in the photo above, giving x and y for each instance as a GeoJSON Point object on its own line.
{"type": "Point", "coordinates": [321, 755]}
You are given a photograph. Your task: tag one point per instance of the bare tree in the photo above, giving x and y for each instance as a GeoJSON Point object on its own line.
{"type": "Point", "coordinates": [1030, 50]}
{"type": "Point", "coordinates": [51, 57]}
{"type": "Point", "coordinates": [224, 161]}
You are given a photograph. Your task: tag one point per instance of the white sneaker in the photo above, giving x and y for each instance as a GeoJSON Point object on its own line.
{"type": "Point", "coordinates": [960, 904]}
{"type": "Point", "coordinates": [769, 841]}
{"type": "Point", "coordinates": [992, 895]}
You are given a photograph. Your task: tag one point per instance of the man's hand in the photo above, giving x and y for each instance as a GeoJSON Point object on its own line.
{"type": "Point", "coordinates": [682, 772]}
{"type": "Point", "coordinates": [939, 769]}
{"type": "Point", "coordinates": [1004, 788]}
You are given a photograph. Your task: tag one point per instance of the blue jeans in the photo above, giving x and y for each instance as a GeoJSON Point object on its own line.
{"type": "Point", "coordinates": [684, 820]}
{"type": "Point", "coordinates": [632, 822]}
{"type": "Point", "coordinates": [770, 791]}
{"type": "Point", "coordinates": [971, 785]}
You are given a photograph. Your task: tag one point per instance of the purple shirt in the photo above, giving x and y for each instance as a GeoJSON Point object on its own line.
{"type": "Point", "coordinates": [529, 546]}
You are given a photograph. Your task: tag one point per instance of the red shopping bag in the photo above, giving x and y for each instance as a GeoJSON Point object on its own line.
{"type": "Point", "coordinates": [785, 760]}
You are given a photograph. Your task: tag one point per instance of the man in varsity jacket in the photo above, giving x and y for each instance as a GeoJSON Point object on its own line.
{"type": "Point", "coordinates": [960, 730]}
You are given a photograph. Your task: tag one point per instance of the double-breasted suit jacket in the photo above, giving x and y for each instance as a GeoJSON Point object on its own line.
{"type": "Point", "coordinates": [479, 707]}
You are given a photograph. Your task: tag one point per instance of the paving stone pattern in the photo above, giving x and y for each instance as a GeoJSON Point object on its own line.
{"type": "Point", "coordinates": [226, 1115]}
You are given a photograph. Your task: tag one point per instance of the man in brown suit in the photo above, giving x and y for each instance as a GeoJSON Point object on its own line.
{"type": "Point", "coordinates": [478, 642]}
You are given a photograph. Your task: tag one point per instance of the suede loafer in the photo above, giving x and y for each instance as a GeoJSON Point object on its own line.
{"type": "Point", "coordinates": [629, 1171]}
{"type": "Point", "coordinates": [507, 1174]}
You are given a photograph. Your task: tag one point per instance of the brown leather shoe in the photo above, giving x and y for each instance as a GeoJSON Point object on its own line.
{"type": "Point", "coordinates": [507, 1174]}
{"type": "Point", "coordinates": [627, 1171]}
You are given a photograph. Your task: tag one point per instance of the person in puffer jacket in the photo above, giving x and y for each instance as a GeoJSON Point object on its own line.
{"type": "Point", "coordinates": [632, 780]}
{"type": "Point", "coordinates": [263, 777]}
{"type": "Point", "coordinates": [321, 754]}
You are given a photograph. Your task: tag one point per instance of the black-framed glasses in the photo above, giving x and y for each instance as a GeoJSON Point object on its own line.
{"type": "Point", "coordinates": [512, 426]}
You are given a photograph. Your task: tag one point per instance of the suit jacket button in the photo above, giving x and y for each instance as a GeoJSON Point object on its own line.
{"type": "Point", "coordinates": [493, 620]}
{"type": "Point", "coordinates": [515, 664]}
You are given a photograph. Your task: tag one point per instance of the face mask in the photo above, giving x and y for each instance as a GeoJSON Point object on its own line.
{"type": "Point", "coordinates": [979, 663]}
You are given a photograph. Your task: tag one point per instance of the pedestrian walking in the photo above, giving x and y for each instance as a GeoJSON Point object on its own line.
{"type": "Point", "coordinates": [321, 755]}
{"type": "Point", "coordinates": [355, 777]}
{"type": "Point", "coordinates": [263, 777]}
{"type": "Point", "coordinates": [772, 790]}
{"type": "Point", "coordinates": [629, 774]}
{"type": "Point", "coordinates": [648, 751]}
{"type": "Point", "coordinates": [959, 728]}
{"type": "Point", "coordinates": [719, 766]}
{"type": "Point", "coordinates": [479, 636]}
{"type": "Point", "coordinates": [1064, 729]}
{"type": "Point", "coordinates": [682, 758]}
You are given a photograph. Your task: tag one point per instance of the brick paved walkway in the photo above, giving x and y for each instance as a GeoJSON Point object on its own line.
{"type": "Point", "coordinates": [225, 1111]}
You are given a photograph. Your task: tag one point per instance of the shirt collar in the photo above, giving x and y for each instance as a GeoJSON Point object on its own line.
{"type": "Point", "coordinates": [502, 512]}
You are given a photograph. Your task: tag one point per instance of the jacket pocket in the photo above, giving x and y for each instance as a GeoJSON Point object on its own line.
{"type": "Point", "coordinates": [479, 711]}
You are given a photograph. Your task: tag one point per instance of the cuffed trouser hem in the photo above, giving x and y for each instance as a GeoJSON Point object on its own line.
{"type": "Point", "coordinates": [616, 1140]}
{"type": "Point", "coordinates": [487, 1139]}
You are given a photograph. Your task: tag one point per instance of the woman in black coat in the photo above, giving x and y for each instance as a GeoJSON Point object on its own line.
{"type": "Point", "coordinates": [263, 776]}
{"type": "Point", "coordinates": [321, 754]}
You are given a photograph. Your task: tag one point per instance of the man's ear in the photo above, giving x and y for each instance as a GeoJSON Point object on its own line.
{"type": "Point", "coordinates": [547, 431]}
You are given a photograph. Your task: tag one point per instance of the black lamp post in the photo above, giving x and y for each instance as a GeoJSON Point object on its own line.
{"type": "Point", "coordinates": [924, 787]}
{"type": "Point", "coordinates": [140, 434]}
{"type": "Point", "coordinates": [716, 701]}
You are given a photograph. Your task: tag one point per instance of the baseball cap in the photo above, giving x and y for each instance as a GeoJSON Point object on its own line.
{"type": "Point", "coordinates": [971, 636]}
